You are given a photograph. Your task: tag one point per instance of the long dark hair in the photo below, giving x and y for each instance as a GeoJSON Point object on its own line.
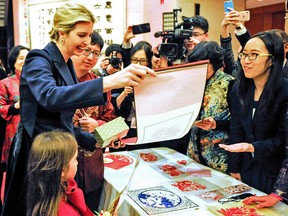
{"type": "Point", "coordinates": [273, 44]}
{"type": "Point", "coordinates": [208, 50]}
{"type": "Point", "coordinates": [50, 154]}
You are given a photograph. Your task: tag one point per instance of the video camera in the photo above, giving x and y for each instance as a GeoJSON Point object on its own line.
{"type": "Point", "coordinates": [173, 36]}
{"type": "Point", "coordinates": [115, 61]}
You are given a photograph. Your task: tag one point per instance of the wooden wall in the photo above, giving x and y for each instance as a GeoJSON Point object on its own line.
{"type": "Point", "coordinates": [265, 18]}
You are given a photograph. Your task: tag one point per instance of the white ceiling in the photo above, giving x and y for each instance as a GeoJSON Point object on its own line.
{"type": "Point", "coordinates": [260, 3]}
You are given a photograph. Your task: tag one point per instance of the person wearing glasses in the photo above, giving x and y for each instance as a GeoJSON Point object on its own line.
{"type": "Point", "coordinates": [199, 26]}
{"type": "Point", "coordinates": [89, 177]}
{"type": "Point", "coordinates": [123, 99]}
{"type": "Point", "coordinates": [259, 100]}
{"type": "Point", "coordinates": [50, 94]}
{"type": "Point", "coordinates": [112, 62]}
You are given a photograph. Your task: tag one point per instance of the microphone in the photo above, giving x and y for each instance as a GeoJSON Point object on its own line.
{"type": "Point", "coordinates": [158, 34]}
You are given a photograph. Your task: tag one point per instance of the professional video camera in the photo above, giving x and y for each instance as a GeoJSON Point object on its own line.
{"type": "Point", "coordinates": [173, 36]}
{"type": "Point", "coordinates": [115, 61]}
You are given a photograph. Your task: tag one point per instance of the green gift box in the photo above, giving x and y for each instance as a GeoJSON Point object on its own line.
{"type": "Point", "coordinates": [112, 130]}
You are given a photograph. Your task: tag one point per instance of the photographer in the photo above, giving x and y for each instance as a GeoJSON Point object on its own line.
{"type": "Point", "coordinates": [112, 63]}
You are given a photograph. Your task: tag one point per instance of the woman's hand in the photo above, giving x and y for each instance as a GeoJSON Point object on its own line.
{"type": "Point", "coordinates": [116, 144]}
{"type": "Point", "coordinates": [262, 201]}
{"type": "Point", "coordinates": [132, 75]}
{"type": "Point", "coordinates": [232, 17]}
{"type": "Point", "coordinates": [206, 124]}
{"type": "Point", "coordinates": [128, 35]}
{"type": "Point", "coordinates": [127, 90]}
{"type": "Point", "coordinates": [88, 124]}
{"type": "Point", "coordinates": [238, 147]}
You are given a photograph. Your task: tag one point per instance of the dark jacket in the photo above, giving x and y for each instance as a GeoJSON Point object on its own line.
{"type": "Point", "coordinates": [266, 132]}
{"type": "Point", "coordinates": [49, 97]}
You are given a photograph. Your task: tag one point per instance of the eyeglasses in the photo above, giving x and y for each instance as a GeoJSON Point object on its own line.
{"type": "Point", "coordinates": [87, 52]}
{"type": "Point", "coordinates": [141, 61]}
{"type": "Point", "coordinates": [252, 56]}
{"type": "Point", "coordinates": [197, 34]}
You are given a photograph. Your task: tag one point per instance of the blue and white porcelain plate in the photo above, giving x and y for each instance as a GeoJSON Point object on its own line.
{"type": "Point", "coordinates": [159, 198]}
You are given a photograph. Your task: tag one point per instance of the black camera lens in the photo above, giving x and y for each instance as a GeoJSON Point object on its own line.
{"type": "Point", "coordinates": [115, 62]}
{"type": "Point", "coordinates": [169, 49]}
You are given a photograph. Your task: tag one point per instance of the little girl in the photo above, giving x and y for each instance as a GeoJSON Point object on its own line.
{"type": "Point", "coordinates": [51, 169]}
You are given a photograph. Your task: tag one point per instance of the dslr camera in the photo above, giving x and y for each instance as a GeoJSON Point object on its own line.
{"type": "Point", "coordinates": [115, 61]}
{"type": "Point", "coordinates": [172, 45]}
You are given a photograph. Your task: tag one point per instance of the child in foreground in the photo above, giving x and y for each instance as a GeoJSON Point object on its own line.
{"type": "Point", "coordinates": [52, 166]}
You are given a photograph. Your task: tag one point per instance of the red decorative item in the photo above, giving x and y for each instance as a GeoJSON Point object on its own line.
{"type": "Point", "coordinates": [118, 161]}
{"type": "Point", "coordinates": [148, 157]}
{"type": "Point", "coordinates": [187, 186]}
{"type": "Point", "coordinates": [161, 1]}
{"type": "Point", "coordinates": [182, 162]}
{"type": "Point", "coordinates": [238, 211]}
{"type": "Point", "coordinates": [171, 170]}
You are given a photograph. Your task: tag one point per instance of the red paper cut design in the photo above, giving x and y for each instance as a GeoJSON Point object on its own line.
{"type": "Point", "coordinates": [182, 162]}
{"type": "Point", "coordinates": [213, 195]}
{"type": "Point", "coordinates": [119, 161]}
{"type": "Point", "coordinates": [171, 170]}
{"type": "Point", "coordinates": [187, 185]}
{"type": "Point", "coordinates": [148, 157]}
{"type": "Point", "coordinates": [242, 210]}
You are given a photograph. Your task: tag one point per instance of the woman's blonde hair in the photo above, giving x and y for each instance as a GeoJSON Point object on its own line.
{"type": "Point", "coordinates": [67, 16]}
{"type": "Point", "coordinates": [49, 156]}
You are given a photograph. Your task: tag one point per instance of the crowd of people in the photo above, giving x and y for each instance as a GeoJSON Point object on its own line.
{"type": "Point", "coordinates": [54, 98]}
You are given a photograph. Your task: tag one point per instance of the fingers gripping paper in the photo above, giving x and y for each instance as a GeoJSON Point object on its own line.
{"type": "Point", "coordinates": [167, 106]}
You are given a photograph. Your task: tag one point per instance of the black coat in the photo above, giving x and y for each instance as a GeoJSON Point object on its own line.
{"type": "Point", "coordinates": [266, 132]}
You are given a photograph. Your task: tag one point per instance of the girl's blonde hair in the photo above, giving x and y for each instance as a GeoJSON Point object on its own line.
{"type": "Point", "coordinates": [67, 16]}
{"type": "Point", "coordinates": [49, 156]}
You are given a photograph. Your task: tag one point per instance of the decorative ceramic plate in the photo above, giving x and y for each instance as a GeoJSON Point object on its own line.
{"type": "Point", "coordinates": [158, 200]}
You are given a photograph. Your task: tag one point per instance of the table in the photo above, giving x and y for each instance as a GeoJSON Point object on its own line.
{"type": "Point", "coordinates": [147, 176]}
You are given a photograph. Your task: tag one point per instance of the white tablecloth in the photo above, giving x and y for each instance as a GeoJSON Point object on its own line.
{"type": "Point", "coordinates": [146, 177]}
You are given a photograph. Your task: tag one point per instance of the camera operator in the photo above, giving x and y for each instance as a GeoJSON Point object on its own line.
{"type": "Point", "coordinates": [112, 62]}
{"type": "Point", "coordinates": [199, 26]}
{"type": "Point", "coordinates": [176, 44]}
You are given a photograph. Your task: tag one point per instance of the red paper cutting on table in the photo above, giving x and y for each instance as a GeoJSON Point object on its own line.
{"type": "Point", "coordinates": [182, 162]}
{"type": "Point", "coordinates": [187, 185]}
{"type": "Point", "coordinates": [212, 195]}
{"type": "Point", "coordinates": [148, 157]}
{"type": "Point", "coordinates": [242, 210]}
{"type": "Point", "coordinates": [171, 170]}
{"type": "Point", "coordinates": [119, 161]}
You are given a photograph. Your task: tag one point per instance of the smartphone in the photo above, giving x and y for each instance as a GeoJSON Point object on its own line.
{"type": "Point", "coordinates": [228, 4]}
{"type": "Point", "coordinates": [244, 15]}
{"type": "Point", "coordinates": [141, 28]}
